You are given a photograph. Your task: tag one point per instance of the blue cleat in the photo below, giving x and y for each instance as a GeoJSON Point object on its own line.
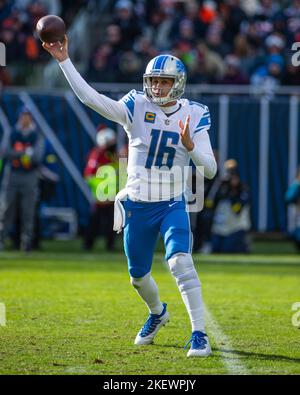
{"type": "Point", "coordinates": [151, 327]}
{"type": "Point", "coordinates": [200, 346]}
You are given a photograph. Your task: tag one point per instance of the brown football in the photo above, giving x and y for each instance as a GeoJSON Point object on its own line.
{"type": "Point", "coordinates": [51, 28]}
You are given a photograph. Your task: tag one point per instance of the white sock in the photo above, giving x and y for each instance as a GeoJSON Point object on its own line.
{"type": "Point", "coordinates": [193, 302]}
{"type": "Point", "coordinates": [147, 289]}
{"type": "Point", "coordinates": [189, 285]}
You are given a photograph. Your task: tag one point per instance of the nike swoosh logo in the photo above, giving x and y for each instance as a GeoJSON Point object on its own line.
{"type": "Point", "coordinates": [172, 204]}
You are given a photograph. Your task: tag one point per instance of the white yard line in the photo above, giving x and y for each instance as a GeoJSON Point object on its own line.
{"type": "Point", "coordinates": [232, 361]}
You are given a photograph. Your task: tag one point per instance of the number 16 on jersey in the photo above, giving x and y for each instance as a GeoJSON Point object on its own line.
{"type": "Point", "coordinates": [160, 153]}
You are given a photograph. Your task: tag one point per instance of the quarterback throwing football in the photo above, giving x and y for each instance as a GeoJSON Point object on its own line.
{"type": "Point", "coordinates": [165, 132]}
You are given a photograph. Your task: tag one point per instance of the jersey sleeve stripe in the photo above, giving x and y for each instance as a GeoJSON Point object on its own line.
{"type": "Point", "coordinates": [129, 102]}
{"type": "Point", "coordinates": [204, 121]}
{"type": "Point", "coordinates": [129, 116]}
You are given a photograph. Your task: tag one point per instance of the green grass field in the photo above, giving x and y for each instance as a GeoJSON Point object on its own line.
{"type": "Point", "coordinates": [76, 313]}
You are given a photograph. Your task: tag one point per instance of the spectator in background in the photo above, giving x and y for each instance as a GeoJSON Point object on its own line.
{"type": "Point", "coordinates": [145, 50]}
{"type": "Point", "coordinates": [233, 74]}
{"type": "Point", "coordinates": [204, 218]}
{"type": "Point", "coordinates": [292, 74]}
{"type": "Point", "coordinates": [130, 66]}
{"type": "Point", "coordinates": [292, 197]}
{"type": "Point", "coordinates": [53, 7]}
{"type": "Point", "coordinates": [129, 25]}
{"type": "Point", "coordinates": [186, 34]}
{"type": "Point", "coordinates": [292, 20]}
{"type": "Point", "coordinates": [31, 47]}
{"type": "Point", "coordinates": [104, 63]}
{"type": "Point", "coordinates": [99, 65]}
{"type": "Point", "coordinates": [159, 29]}
{"type": "Point", "coordinates": [267, 9]}
{"type": "Point", "coordinates": [114, 38]}
{"type": "Point", "coordinates": [279, 25]}
{"type": "Point", "coordinates": [246, 53]}
{"type": "Point", "coordinates": [102, 211]}
{"type": "Point", "coordinates": [207, 65]}
{"type": "Point", "coordinates": [275, 44]}
{"type": "Point", "coordinates": [214, 38]}
{"type": "Point", "coordinates": [5, 78]}
{"type": "Point", "coordinates": [9, 37]}
{"type": "Point", "coordinates": [270, 74]}
{"type": "Point", "coordinates": [70, 9]}
{"type": "Point", "coordinates": [200, 23]}
{"type": "Point", "coordinates": [48, 179]}
{"type": "Point", "coordinates": [208, 12]}
{"type": "Point", "coordinates": [24, 155]}
{"type": "Point", "coordinates": [233, 15]}
{"type": "Point", "coordinates": [231, 221]}
{"type": "Point", "coordinates": [5, 9]}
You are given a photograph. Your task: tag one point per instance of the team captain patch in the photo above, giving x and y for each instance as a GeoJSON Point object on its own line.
{"type": "Point", "coordinates": [150, 117]}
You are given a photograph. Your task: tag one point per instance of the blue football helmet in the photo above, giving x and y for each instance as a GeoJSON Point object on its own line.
{"type": "Point", "coordinates": [165, 66]}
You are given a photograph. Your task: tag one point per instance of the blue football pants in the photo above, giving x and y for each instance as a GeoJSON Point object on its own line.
{"type": "Point", "coordinates": [144, 222]}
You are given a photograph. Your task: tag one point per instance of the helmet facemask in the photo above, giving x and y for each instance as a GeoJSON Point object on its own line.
{"type": "Point", "coordinates": [173, 68]}
{"type": "Point", "coordinates": [172, 95]}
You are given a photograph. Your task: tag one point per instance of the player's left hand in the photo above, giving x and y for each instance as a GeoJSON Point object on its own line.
{"type": "Point", "coordinates": [186, 140]}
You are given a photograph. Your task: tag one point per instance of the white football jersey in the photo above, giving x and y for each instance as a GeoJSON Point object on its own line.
{"type": "Point", "coordinates": [158, 163]}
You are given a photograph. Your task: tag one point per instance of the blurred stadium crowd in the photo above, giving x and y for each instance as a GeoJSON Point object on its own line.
{"type": "Point", "coordinates": [220, 41]}
{"type": "Point", "coordinates": [18, 19]}
{"type": "Point", "coordinates": [224, 42]}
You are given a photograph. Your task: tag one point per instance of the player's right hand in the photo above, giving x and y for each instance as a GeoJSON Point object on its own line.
{"type": "Point", "coordinates": [186, 140]}
{"type": "Point", "coordinates": [58, 50]}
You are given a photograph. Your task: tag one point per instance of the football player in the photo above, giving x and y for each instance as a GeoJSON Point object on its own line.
{"type": "Point", "coordinates": [165, 132]}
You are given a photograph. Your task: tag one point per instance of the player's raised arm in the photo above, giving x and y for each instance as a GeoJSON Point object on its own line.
{"type": "Point", "coordinates": [105, 106]}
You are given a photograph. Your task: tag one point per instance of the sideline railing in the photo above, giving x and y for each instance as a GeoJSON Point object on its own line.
{"type": "Point", "coordinates": [196, 89]}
